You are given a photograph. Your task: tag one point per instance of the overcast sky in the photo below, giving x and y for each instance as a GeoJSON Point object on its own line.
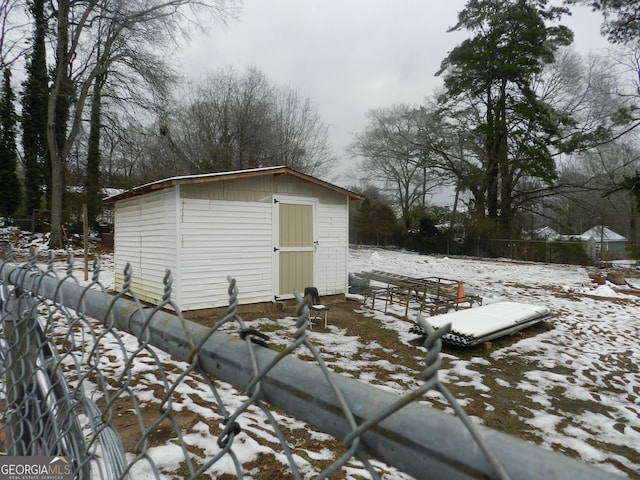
{"type": "Point", "coordinates": [348, 56]}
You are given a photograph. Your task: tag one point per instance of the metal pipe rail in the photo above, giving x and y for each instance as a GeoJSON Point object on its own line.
{"type": "Point", "coordinates": [437, 294]}
{"type": "Point", "coordinates": [414, 438]}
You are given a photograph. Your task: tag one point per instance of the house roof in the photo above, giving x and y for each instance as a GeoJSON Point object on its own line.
{"type": "Point", "coordinates": [546, 232]}
{"type": "Point", "coordinates": [605, 233]}
{"type": "Point", "coordinates": [220, 176]}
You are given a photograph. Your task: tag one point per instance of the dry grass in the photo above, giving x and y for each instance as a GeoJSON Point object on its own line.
{"type": "Point", "coordinates": [510, 407]}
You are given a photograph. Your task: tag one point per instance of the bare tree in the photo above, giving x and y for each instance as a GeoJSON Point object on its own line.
{"type": "Point", "coordinates": [300, 138]}
{"type": "Point", "coordinates": [396, 156]}
{"type": "Point", "coordinates": [232, 121]}
{"type": "Point", "coordinates": [598, 92]}
{"type": "Point", "coordinates": [595, 197]}
{"type": "Point", "coordinates": [91, 38]}
{"type": "Point", "coordinates": [217, 124]}
{"type": "Point", "coordinates": [13, 30]}
{"type": "Point", "coordinates": [600, 143]}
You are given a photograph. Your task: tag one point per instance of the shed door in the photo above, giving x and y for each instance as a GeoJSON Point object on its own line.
{"type": "Point", "coordinates": [295, 247]}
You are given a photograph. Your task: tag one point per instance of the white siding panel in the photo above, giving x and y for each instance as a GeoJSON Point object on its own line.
{"type": "Point", "coordinates": [146, 239]}
{"type": "Point", "coordinates": [331, 267]}
{"type": "Point", "coordinates": [220, 239]}
{"type": "Point", "coordinates": [126, 239]}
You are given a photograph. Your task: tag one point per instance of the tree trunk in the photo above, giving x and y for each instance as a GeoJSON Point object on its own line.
{"type": "Point", "coordinates": [491, 162]}
{"type": "Point", "coordinates": [37, 163]}
{"type": "Point", "coordinates": [92, 180]}
{"type": "Point", "coordinates": [506, 178]}
{"type": "Point", "coordinates": [58, 109]}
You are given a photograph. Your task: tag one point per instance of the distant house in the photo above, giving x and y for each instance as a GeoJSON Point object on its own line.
{"type": "Point", "coordinates": [609, 245]}
{"type": "Point", "coordinates": [105, 217]}
{"type": "Point", "coordinates": [275, 230]}
{"type": "Point", "coordinates": [545, 233]}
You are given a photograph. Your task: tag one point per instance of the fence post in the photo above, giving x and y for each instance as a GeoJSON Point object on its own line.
{"type": "Point", "coordinates": [20, 368]}
{"type": "Point", "coordinates": [40, 418]}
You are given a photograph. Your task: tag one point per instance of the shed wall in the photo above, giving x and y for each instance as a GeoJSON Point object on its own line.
{"type": "Point", "coordinates": [145, 237]}
{"type": "Point", "coordinates": [259, 189]}
{"type": "Point", "coordinates": [205, 232]}
{"type": "Point", "coordinates": [220, 239]}
{"type": "Point", "coordinates": [249, 202]}
{"type": "Point", "coordinates": [333, 244]}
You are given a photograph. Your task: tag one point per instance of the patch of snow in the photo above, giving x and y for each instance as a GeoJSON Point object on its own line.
{"type": "Point", "coordinates": [591, 355]}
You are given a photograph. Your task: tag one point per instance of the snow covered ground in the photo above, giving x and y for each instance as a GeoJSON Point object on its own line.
{"type": "Point", "coordinates": [580, 379]}
{"type": "Point", "coordinates": [589, 359]}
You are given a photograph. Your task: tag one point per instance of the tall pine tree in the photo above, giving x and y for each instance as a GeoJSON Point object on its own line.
{"type": "Point", "coordinates": [10, 188]}
{"type": "Point", "coordinates": [37, 164]}
{"type": "Point", "coordinates": [494, 71]}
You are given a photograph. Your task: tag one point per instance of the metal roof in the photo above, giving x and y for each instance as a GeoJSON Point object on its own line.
{"type": "Point", "coordinates": [605, 233]}
{"type": "Point", "coordinates": [232, 175]}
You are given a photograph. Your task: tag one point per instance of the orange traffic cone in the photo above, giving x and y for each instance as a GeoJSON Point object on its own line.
{"type": "Point", "coordinates": [460, 292]}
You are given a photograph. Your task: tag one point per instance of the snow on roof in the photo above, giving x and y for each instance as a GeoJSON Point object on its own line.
{"type": "Point", "coordinates": [605, 233]}
{"type": "Point", "coordinates": [105, 191]}
{"type": "Point", "coordinates": [545, 232]}
{"type": "Point", "coordinates": [111, 192]}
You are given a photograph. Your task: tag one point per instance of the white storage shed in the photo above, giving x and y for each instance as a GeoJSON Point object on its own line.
{"type": "Point", "coordinates": [275, 230]}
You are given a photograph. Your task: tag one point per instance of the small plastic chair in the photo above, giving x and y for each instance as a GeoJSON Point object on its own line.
{"type": "Point", "coordinates": [315, 306]}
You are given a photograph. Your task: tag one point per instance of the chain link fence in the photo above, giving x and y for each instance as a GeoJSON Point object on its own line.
{"type": "Point", "coordinates": [128, 391]}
